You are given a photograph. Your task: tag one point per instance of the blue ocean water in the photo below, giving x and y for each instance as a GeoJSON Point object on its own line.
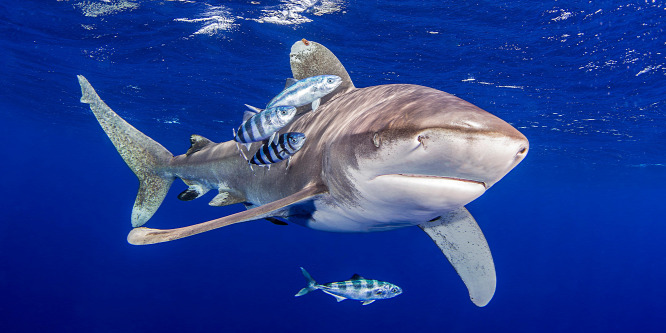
{"type": "Point", "coordinates": [576, 230]}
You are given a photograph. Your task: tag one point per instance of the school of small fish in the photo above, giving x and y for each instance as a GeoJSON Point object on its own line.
{"type": "Point", "coordinates": [259, 125]}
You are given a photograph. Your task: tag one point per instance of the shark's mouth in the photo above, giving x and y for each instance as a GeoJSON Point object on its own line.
{"type": "Point", "coordinates": [435, 178]}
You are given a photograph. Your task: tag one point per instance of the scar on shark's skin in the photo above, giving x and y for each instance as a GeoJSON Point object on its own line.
{"type": "Point", "coordinates": [361, 171]}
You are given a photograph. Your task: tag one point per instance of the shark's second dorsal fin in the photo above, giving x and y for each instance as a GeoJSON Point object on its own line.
{"type": "Point", "coordinates": [198, 142]}
{"type": "Point", "coordinates": [357, 277]}
{"type": "Point", "coordinates": [311, 59]}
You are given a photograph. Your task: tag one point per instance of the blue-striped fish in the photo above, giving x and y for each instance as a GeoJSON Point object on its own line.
{"type": "Point", "coordinates": [262, 125]}
{"type": "Point", "coordinates": [284, 147]}
{"type": "Point", "coordinates": [357, 288]}
{"type": "Point", "coordinates": [306, 91]}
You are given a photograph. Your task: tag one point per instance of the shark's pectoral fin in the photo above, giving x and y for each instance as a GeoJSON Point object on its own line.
{"type": "Point", "coordinates": [459, 237]}
{"type": "Point", "coordinates": [143, 236]}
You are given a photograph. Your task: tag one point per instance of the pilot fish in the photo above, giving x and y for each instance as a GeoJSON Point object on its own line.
{"type": "Point", "coordinates": [357, 288]}
{"type": "Point", "coordinates": [260, 125]}
{"type": "Point", "coordinates": [287, 145]}
{"type": "Point", "coordinates": [306, 91]}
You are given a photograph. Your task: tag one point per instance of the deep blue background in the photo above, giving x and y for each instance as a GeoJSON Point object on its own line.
{"type": "Point", "coordinates": [576, 230]}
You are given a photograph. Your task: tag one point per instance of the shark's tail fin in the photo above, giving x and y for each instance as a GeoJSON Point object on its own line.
{"type": "Point", "coordinates": [143, 155]}
{"type": "Point", "coordinates": [312, 285]}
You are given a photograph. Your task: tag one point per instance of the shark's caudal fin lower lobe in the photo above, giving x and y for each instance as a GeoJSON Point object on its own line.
{"type": "Point", "coordinates": [312, 285]}
{"type": "Point", "coordinates": [143, 155]}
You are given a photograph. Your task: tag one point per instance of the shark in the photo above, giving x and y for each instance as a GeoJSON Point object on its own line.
{"type": "Point", "coordinates": [376, 158]}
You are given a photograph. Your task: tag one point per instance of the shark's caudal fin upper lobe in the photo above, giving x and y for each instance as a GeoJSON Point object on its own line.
{"type": "Point", "coordinates": [142, 154]}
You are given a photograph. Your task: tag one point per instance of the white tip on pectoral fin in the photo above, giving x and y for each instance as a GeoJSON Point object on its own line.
{"type": "Point", "coordinates": [459, 237]}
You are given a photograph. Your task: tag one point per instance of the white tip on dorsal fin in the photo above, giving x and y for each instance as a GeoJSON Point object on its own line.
{"type": "Point", "coordinates": [290, 82]}
{"type": "Point", "coordinates": [198, 143]}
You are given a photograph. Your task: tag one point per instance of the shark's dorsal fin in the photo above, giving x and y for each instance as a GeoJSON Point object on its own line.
{"type": "Point", "coordinates": [143, 236]}
{"type": "Point", "coordinates": [312, 59]}
{"type": "Point", "coordinates": [459, 237]}
{"type": "Point", "coordinates": [290, 82]}
{"type": "Point", "coordinates": [197, 142]}
{"type": "Point", "coordinates": [357, 277]}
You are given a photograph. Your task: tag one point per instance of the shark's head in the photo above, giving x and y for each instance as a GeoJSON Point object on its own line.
{"type": "Point", "coordinates": [422, 150]}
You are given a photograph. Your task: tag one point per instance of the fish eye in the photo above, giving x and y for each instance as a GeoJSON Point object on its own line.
{"type": "Point", "coordinates": [330, 80]}
{"type": "Point", "coordinates": [394, 290]}
{"type": "Point", "coordinates": [378, 292]}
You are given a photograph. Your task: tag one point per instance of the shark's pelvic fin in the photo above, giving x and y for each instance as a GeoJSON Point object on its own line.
{"type": "Point", "coordinates": [142, 154]}
{"type": "Point", "coordinates": [143, 236]}
{"type": "Point", "coordinates": [198, 143]}
{"type": "Point", "coordinates": [459, 237]}
{"type": "Point", "coordinates": [225, 198]}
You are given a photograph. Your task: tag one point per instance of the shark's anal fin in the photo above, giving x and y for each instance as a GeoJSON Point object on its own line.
{"type": "Point", "coordinates": [194, 190]}
{"type": "Point", "coordinates": [143, 236]}
{"type": "Point", "coordinates": [459, 237]}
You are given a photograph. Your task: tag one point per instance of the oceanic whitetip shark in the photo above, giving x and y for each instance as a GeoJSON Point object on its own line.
{"type": "Point", "coordinates": [376, 158]}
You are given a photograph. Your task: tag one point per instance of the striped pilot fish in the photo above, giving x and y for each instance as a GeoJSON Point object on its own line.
{"type": "Point", "coordinates": [259, 125]}
{"type": "Point", "coordinates": [284, 147]}
{"type": "Point", "coordinates": [306, 91]}
{"type": "Point", "coordinates": [357, 288]}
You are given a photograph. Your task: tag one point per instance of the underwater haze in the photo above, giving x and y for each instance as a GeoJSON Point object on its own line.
{"type": "Point", "coordinates": [576, 230]}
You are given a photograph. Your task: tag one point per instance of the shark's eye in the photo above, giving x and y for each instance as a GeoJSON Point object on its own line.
{"type": "Point", "coordinates": [377, 140]}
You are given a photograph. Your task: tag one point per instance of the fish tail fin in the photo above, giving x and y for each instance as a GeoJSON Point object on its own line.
{"type": "Point", "coordinates": [143, 155]}
{"type": "Point", "coordinates": [312, 284]}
